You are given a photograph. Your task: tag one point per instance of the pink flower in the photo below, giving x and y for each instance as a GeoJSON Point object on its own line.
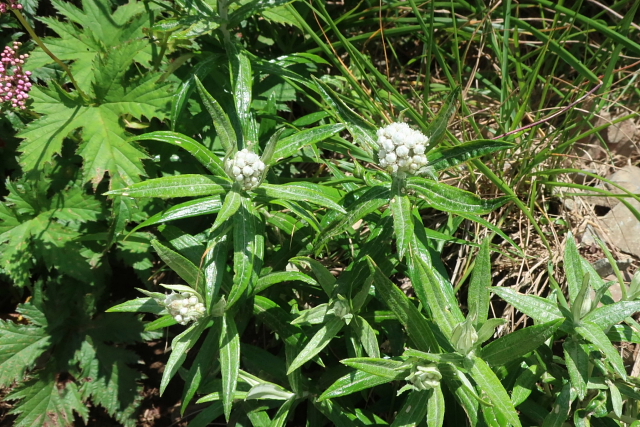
{"type": "Point", "coordinates": [14, 81]}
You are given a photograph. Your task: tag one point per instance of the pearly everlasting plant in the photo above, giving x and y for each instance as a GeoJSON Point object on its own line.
{"type": "Point", "coordinates": [185, 307]}
{"type": "Point", "coordinates": [402, 149]}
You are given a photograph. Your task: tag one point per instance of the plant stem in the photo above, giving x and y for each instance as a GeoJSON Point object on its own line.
{"type": "Point", "coordinates": [39, 42]}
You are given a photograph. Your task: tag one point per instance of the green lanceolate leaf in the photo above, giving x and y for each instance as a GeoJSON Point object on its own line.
{"type": "Point", "coordinates": [561, 408]}
{"type": "Point", "coordinates": [538, 308]}
{"type": "Point", "coordinates": [201, 70]}
{"type": "Point", "coordinates": [592, 333]}
{"type": "Point", "coordinates": [322, 273]}
{"type": "Point", "coordinates": [20, 346]}
{"type": "Point", "coordinates": [208, 159]}
{"type": "Point", "coordinates": [525, 383]}
{"type": "Point", "coordinates": [490, 384]}
{"type": "Point", "coordinates": [438, 126]}
{"type": "Point", "coordinates": [202, 206]}
{"type": "Point", "coordinates": [221, 122]}
{"type": "Point", "coordinates": [370, 201]}
{"type": "Point", "coordinates": [229, 360]}
{"type": "Point", "coordinates": [366, 335]}
{"type": "Point", "coordinates": [386, 368]}
{"type": "Point", "coordinates": [363, 132]}
{"type": "Point", "coordinates": [573, 268]}
{"type": "Point", "coordinates": [351, 383]}
{"type": "Point", "coordinates": [479, 294]}
{"type": "Point", "coordinates": [230, 206]}
{"type": "Point", "coordinates": [270, 148]}
{"type": "Point", "coordinates": [577, 361]}
{"type": "Point", "coordinates": [402, 219]}
{"type": "Point", "coordinates": [138, 305]}
{"type": "Point", "coordinates": [247, 249]}
{"type": "Point", "coordinates": [609, 315]}
{"type": "Point", "coordinates": [205, 358]}
{"type": "Point", "coordinates": [290, 145]}
{"type": "Point", "coordinates": [414, 322]}
{"type": "Point", "coordinates": [435, 408]}
{"type": "Point", "coordinates": [305, 192]}
{"type": "Point", "coordinates": [179, 347]}
{"type": "Point", "coordinates": [518, 343]}
{"type": "Point", "coordinates": [185, 268]}
{"type": "Point", "coordinates": [242, 80]}
{"type": "Point", "coordinates": [414, 409]}
{"type": "Point", "coordinates": [176, 186]}
{"type": "Point", "coordinates": [282, 276]}
{"type": "Point", "coordinates": [452, 199]}
{"type": "Point", "coordinates": [318, 342]}
{"type": "Point", "coordinates": [215, 262]}
{"type": "Point", "coordinates": [444, 158]}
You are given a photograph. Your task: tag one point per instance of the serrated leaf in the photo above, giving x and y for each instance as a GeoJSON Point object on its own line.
{"type": "Point", "coordinates": [229, 361]}
{"type": "Point", "coordinates": [45, 402]}
{"type": "Point", "coordinates": [306, 192]}
{"type": "Point", "coordinates": [518, 343]}
{"type": "Point", "coordinates": [175, 186]}
{"type": "Point", "coordinates": [351, 383]}
{"type": "Point", "coordinates": [318, 342]}
{"type": "Point", "coordinates": [290, 145]}
{"type": "Point", "coordinates": [20, 346]}
{"type": "Point", "coordinates": [208, 159]}
{"type": "Point", "coordinates": [452, 199]}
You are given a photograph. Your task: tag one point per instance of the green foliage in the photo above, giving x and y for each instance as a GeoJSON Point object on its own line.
{"type": "Point", "coordinates": [317, 290]}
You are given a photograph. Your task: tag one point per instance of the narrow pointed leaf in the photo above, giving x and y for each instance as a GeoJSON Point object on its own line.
{"type": "Point", "coordinates": [518, 343]}
{"type": "Point", "coordinates": [561, 408]}
{"type": "Point", "coordinates": [215, 263]}
{"type": "Point", "coordinates": [351, 383]}
{"type": "Point", "coordinates": [221, 121]}
{"type": "Point", "coordinates": [230, 206]}
{"type": "Point", "coordinates": [452, 199]}
{"type": "Point", "coordinates": [387, 368]}
{"type": "Point", "coordinates": [185, 268]}
{"type": "Point", "coordinates": [229, 361]}
{"type": "Point", "coordinates": [441, 159]}
{"type": "Point", "coordinates": [290, 145]}
{"type": "Point", "coordinates": [538, 308]}
{"type": "Point", "coordinates": [414, 322]}
{"type": "Point", "coordinates": [414, 409]}
{"type": "Point", "coordinates": [577, 361]}
{"type": "Point", "coordinates": [435, 408]}
{"type": "Point", "coordinates": [179, 347]}
{"type": "Point", "coordinates": [202, 206]}
{"type": "Point", "coordinates": [245, 249]}
{"type": "Point", "coordinates": [489, 383]}
{"type": "Point", "coordinates": [573, 268]}
{"type": "Point", "coordinates": [318, 342]}
{"type": "Point", "coordinates": [592, 333]}
{"type": "Point", "coordinates": [366, 335]}
{"type": "Point", "coordinates": [402, 219]}
{"type": "Point", "coordinates": [609, 315]}
{"type": "Point", "coordinates": [208, 159]}
{"type": "Point", "coordinates": [305, 192]}
{"type": "Point", "coordinates": [176, 186]}
{"type": "Point", "coordinates": [438, 126]}
{"type": "Point", "coordinates": [479, 293]}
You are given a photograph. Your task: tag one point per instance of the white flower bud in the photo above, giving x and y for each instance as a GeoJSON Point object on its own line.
{"type": "Point", "coordinates": [247, 171]}
{"type": "Point", "coordinates": [391, 158]}
{"type": "Point", "coordinates": [178, 318]}
{"type": "Point", "coordinates": [402, 151]}
{"type": "Point", "coordinates": [184, 310]}
{"type": "Point", "coordinates": [419, 149]}
{"type": "Point", "coordinates": [193, 300]}
{"type": "Point", "coordinates": [236, 170]}
{"type": "Point", "coordinates": [239, 177]}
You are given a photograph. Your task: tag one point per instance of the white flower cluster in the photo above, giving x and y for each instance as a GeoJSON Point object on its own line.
{"type": "Point", "coordinates": [402, 148]}
{"type": "Point", "coordinates": [247, 168]}
{"type": "Point", "coordinates": [184, 307]}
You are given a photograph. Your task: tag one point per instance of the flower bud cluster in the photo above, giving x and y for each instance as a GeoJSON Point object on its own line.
{"type": "Point", "coordinates": [11, 4]}
{"type": "Point", "coordinates": [184, 307]}
{"type": "Point", "coordinates": [402, 148]}
{"type": "Point", "coordinates": [425, 377]}
{"type": "Point", "coordinates": [14, 81]}
{"type": "Point", "coordinates": [246, 168]}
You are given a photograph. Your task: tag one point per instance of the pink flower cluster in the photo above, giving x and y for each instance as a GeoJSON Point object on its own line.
{"type": "Point", "coordinates": [14, 81]}
{"type": "Point", "coordinates": [12, 4]}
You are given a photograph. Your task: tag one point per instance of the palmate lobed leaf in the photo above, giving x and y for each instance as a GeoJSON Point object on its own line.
{"type": "Point", "coordinates": [20, 346]}
{"type": "Point", "coordinates": [105, 148]}
{"type": "Point", "coordinates": [45, 402]}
